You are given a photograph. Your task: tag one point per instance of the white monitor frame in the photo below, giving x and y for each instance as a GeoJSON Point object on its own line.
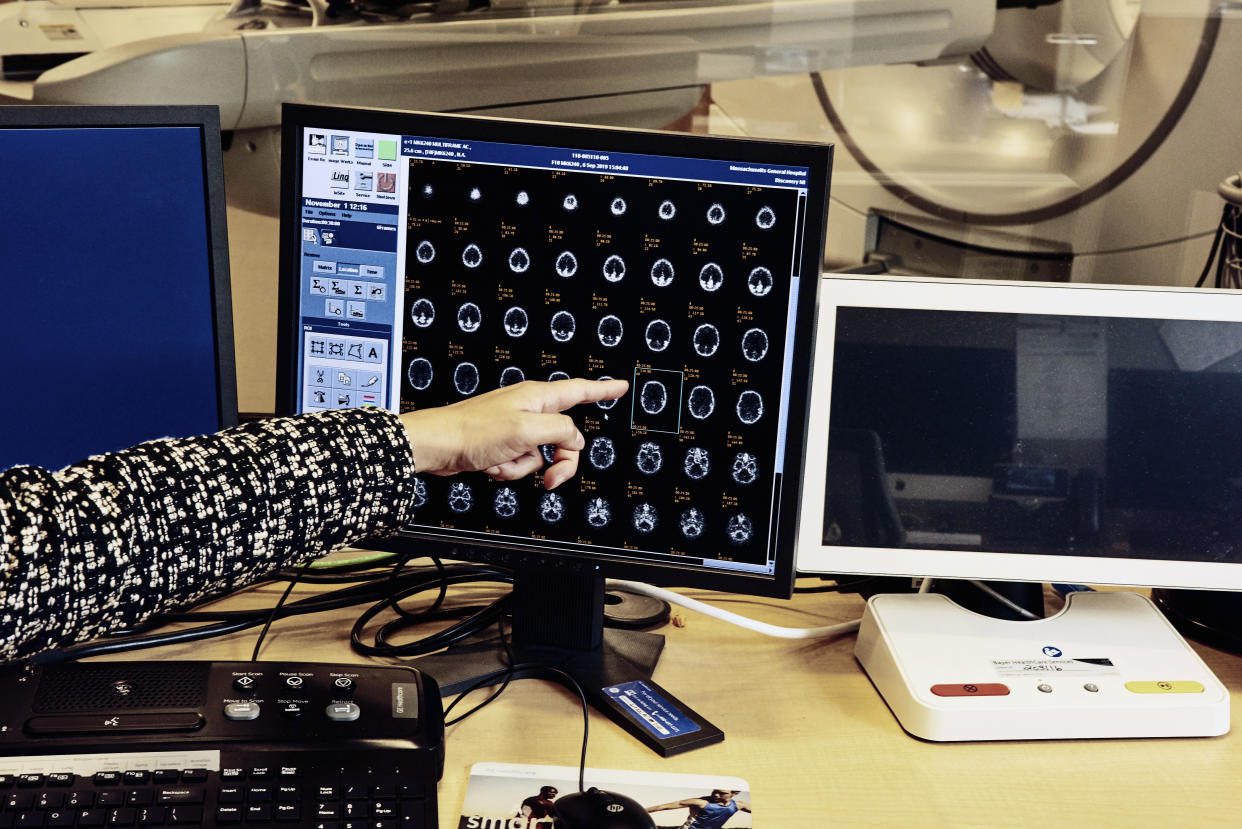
{"type": "Point", "coordinates": [1006, 297]}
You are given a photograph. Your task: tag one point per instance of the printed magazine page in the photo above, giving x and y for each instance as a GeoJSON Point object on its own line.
{"type": "Point", "coordinates": [508, 796]}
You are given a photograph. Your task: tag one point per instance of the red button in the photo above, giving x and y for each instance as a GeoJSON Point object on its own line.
{"type": "Point", "coordinates": [981, 689]}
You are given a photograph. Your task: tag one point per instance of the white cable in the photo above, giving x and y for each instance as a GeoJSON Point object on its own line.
{"type": "Point", "coordinates": [1005, 600]}
{"type": "Point", "coordinates": [733, 618]}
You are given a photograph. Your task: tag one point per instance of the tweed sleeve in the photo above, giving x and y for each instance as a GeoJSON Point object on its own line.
{"type": "Point", "coordinates": [108, 542]}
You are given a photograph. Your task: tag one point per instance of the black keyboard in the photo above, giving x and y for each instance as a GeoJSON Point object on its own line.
{"type": "Point", "coordinates": [214, 744]}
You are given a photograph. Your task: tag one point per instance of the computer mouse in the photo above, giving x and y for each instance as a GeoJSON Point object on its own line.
{"type": "Point", "coordinates": [599, 809]}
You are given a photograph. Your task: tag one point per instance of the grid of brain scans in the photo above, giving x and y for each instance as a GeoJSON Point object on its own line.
{"type": "Point", "coordinates": [680, 287]}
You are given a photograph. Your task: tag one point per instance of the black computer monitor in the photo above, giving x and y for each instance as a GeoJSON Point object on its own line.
{"type": "Point", "coordinates": [116, 280]}
{"type": "Point", "coordinates": [426, 258]}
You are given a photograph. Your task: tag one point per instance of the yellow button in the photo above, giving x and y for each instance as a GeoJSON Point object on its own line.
{"type": "Point", "coordinates": [1166, 687]}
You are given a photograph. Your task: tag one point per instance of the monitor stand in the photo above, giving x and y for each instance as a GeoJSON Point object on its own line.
{"type": "Point", "coordinates": [1107, 665]}
{"type": "Point", "coordinates": [1213, 617]}
{"type": "Point", "coordinates": [558, 622]}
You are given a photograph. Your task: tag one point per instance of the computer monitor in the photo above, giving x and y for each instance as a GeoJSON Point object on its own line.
{"type": "Point", "coordinates": [116, 274]}
{"type": "Point", "coordinates": [1101, 449]}
{"type": "Point", "coordinates": [426, 258]}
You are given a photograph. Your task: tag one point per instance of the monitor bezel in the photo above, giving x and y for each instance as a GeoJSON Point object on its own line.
{"type": "Point", "coordinates": [206, 119]}
{"type": "Point", "coordinates": [816, 157]}
{"type": "Point", "coordinates": [1061, 299]}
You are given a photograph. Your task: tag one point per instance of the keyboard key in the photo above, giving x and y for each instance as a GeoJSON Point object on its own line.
{"type": "Point", "coordinates": [165, 776]}
{"type": "Point", "coordinates": [260, 794]}
{"type": "Point", "coordinates": [7, 781]}
{"type": "Point", "coordinates": [107, 778]}
{"type": "Point", "coordinates": [287, 811]}
{"type": "Point", "coordinates": [229, 813]}
{"type": "Point", "coordinates": [388, 792]}
{"type": "Point", "coordinates": [92, 817]}
{"type": "Point", "coordinates": [166, 797]}
{"type": "Point", "coordinates": [18, 801]}
{"type": "Point", "coordinates": [232, 774]}
{"type": "Point", "coordinates": [139, 797]}
{"type": "Point", "coordinates": [231, 794]}
{"type": "Point", "coordinates": [122, 817]}
{"type": "Point", "coordinates": [185, 814]}
{"type": "Point", "coordinates": [80, 800]}
{"type": "Point", "coordinates": [135, 778]}
{"type": "Point", "coordinates": [259, 813]}
{"type": "Point", "coordinates": [288, 793]}
{"type": "Point", "coordinates": [110, 797]}
{"type": "Point", "coordinates": [150, 815]}
{"type": "Point", "coordinates": [193, 775]}
{"type": "Point", "coordinates": [61, 779]}
{"type": "Point", "coordinates": [23, 820]}
{"type": "Point", "coordinates": [60, 817]}
{"type": "Point", "coordinates": [50, 800]}
{"type": "Point", "coordinates": [29, 781]}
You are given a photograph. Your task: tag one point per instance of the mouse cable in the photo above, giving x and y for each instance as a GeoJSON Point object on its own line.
{"type": "Point", "coordinates": [508, 672]}
{"type": "Point", "coordinates": [734, 618]}
{"type": "Point", "coordinates": [258, 643]}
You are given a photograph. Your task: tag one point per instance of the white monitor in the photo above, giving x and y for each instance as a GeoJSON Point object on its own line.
{"type": "Point", "coordinates": [1027, 432]}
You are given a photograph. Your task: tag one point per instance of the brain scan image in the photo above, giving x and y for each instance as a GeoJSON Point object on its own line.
{"type": "Point", "coordinates": [610, 331]}
{"type": "Point", "coordinates": [702, 402]}
{"type": "Point", "coordinates": [420, 373]}
{"type": "Point", "coordinates": [653, 397]}
{"type": "Point", "coordinates": [740, 529]}
{"type": "Point", "coordinates": [706, 340]}
{"type": "Point", "coordinates": [606, 404]}
{"type": "Point", "coordinates": [618, 206]}
{"type": "Point", "coordinates": [425, 252]}
{"type": "Point", "coordinates": [602, 452]}
{"type": "Point", "coordinates": [658, 334]}
{"type": "Point", "coordinates": [420, 492]}
{"type": "Point", "coordinates": [667, 210]}
{"type": "Point", "coordinates": [765, 218]}
{"type": "Point", "coordinates": [558, 375]}
{"type": "Point", "coordinates": [760, 281]}
{"type": "Point", "coordinates": [511, 376]}
{"type": "Point", "coordinates": [716, 214]}
{"type": "Point", "coordinates": [522, 198]}
{"type": "Point", "coordinates": [711, 277]}
{"type": "Point", "coordinates": [745, 468]}
{"type": "Point", "coordinates": [649, 458]}
{"type": "Point", "coordinates": [551, 508]}
{"type": "Point", "coordinates": [645, 518]}
{"type": "Point", "coordinates": [516, 321]}
{"type": "Point", "coordinates": [469, 317]}
{"type": "Point", "coordinates": [428, 191]}
{"type": "Point", "coordinates": [749, 407]}
{"type": "Point", "coordinates": [598, 513]}
{"type": "Point", "coordinates": [754, 345]}
{"type": "Point", "coordinates": [691, 523]}
{"type": "Point", "coordinates": [475, 194]}
{"type": "Point", "coordinates": [460, 497]}
{"type": "Point", "coordinates": [548, 451]}
{"type": "Point", "coordinates": [570, 203]}
{"type": "Point", "coordinates": [563, 326]}
{"type": "Point", "coordinates": [519, 260]}
{"type": "Point", "coordinates": [566, 264]}
{"type": "Point", "coordinates": [697, 463]}
{"type": "Point", "coordinates": [472, 257]}
{"type": "Point", "coordinates": [505, 502]}
{"type": "Point", "coordinates": [466, 378]}
{"type": "Point", "coordinates": [422, 313]}
{"type": "Point", "coordinates": [614, 268]}
{"type": "Point", "coordinates": [662, 273]}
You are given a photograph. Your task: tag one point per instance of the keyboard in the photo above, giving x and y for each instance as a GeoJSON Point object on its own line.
{"type": "Point", "coordinates": [213, 744]}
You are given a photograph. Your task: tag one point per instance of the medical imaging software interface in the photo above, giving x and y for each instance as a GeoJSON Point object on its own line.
{"type": "Point", "coordinates": [435, 269]}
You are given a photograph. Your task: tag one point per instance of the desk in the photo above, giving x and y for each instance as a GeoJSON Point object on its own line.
{"type": "Point", "coordinates": [807, 730]}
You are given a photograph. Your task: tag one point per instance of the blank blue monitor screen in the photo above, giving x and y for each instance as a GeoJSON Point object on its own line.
{"type": "Point", "coordinates": [111, 279]}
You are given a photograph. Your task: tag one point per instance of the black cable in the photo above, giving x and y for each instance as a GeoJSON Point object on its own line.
{"type": "Point", "coordinates": [837, 587]}
{"type": "Point", "coordinates": [254, 655]}
{"type": "Point", "coordinates": [1207, 268]}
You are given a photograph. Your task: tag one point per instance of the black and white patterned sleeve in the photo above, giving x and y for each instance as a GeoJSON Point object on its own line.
{"type": "Point", "coordinates": [108, 542]}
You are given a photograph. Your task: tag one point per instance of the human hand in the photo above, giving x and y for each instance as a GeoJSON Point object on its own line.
{"type": "Point", "coordinates": [500, 432]}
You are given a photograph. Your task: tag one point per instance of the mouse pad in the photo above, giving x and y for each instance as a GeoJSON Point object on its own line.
{"type": "Point", "coordinates": [509, 796]}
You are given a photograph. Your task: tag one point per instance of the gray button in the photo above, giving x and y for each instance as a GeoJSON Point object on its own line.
{"type": "Point", "coordinates": [1044, 687]}
{"type": "Point", "coordinates": [242, 710]}
{"type": "Point", "coordinates": [1092, 687]}
{"type": "Point", "coordinates": [343, 712]}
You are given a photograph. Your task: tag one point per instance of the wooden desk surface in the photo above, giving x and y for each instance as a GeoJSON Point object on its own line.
{"type": "Point", "coordinates": [805, 727]}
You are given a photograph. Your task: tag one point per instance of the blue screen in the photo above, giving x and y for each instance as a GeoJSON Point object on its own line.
{"type": "Point", "coordinates": [108, 332]}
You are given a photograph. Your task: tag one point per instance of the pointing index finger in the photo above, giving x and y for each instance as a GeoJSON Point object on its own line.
{"type": "Point", "coordinates": [563, 394]}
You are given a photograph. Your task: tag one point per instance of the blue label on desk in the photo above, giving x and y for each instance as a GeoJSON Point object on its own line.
{"type": "Point", "coordinates": [647, 706]}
